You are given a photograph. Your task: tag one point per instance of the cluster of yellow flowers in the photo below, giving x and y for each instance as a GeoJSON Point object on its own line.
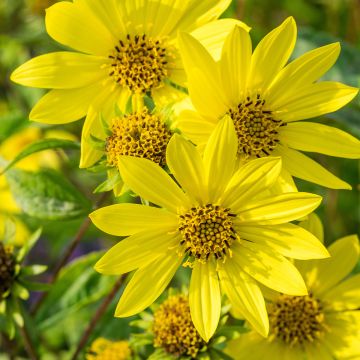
{"type": "Point", "coordinates": [207, 132]}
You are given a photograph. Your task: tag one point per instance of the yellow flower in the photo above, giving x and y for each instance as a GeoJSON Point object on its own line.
{"type": "Point", "coordinates": [123, 48]}
{"type": "Point", "coordinates": [103, 349]}
{"type": "Point", "coordinates": [265, 100]}
{"type": "Point", "coordinates": [323, 325]}
{"type": "Point", "coordinates": [222, 225]}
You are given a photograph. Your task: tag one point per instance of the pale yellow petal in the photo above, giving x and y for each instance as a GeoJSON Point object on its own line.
{"type": "Point", "coordinates": [60, 70]}
{"type": "Point", "coordinates": [73, 25]}
{"type": "Point", "coordinates": [128, 219]}
{"type": "Point", "coordinates": [136, 251]}
{"type": "Point", "coordinates": [147, 284]}
{"type": "Point", "coordinates": [251, 179]}
{"type": "Point", "coordinates": [244, 295]}
{"type": "Point", "coordinates": [303, 167]}
{"type": "Point", "coordinates": [307, 136]}
{"type": "Point", "coordinates": [302, 71]}
{"type": "Point", "coordinates": [219, 158]}
{"type": "Point", "coordinates": [314, 225]}
{"type": "Point", "coordinates": [269, 268]}
{"type": "Point", "coordinates": [287, 239]}
{"type": "Point", "coordinates": [185, 163]}
{"type": "Point", "coordinates": [271, 54]}
{"type": "Point", "coordinates": [152, 183]}
{"type": "Point", "coordinates": [278, 209]}
{"type": "Point", "coordinates": [314, 100]}
{"type": "Point", "coordinates": [285, 183]}
{"type": "Point", "coordinates": [205, 299]}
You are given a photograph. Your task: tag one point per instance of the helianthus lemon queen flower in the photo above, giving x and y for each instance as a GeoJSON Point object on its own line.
{"type": "Point", "coordinates": [323, 325]}
{"type": "Point", "coordinates": [123, 47]}
{"type": "Point", "coordinates": [224, 233]}
{"type": "Point", "coordinates": [104, 349]}
{"type": "Point", "coordinates": [265, 100]}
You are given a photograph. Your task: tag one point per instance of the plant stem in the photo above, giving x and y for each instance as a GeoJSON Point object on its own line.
{"type": "Point", "coordinates": [99, 313]}
{"type": "Point", "coordinates": [67, 254]}
{"type": "Point", "coordinates": [30, 349]}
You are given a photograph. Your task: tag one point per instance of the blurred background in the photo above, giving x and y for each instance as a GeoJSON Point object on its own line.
{"type": "Point", "coordinates": [67, 309]}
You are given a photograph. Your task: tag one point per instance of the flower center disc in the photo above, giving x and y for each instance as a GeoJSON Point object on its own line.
{"type": "Point", "coordinates": [139, 63]}
{"type": "Point", "coordinates": [207, 230]}
{"type": "Point", "coordinates": [140, 134]}
{"type": "Point", "coordinates": [7, 269]}
{"type": "Point", "coordinates": [256, 128]}
{"type": "Point", "coordinates": [174, 330]}
{"type": "Point", "coordinates": [296, 319]}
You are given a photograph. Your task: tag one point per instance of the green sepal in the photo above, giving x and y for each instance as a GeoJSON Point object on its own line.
{"type": "Point", "coordinates": [97, 143]}
{"type": "Point", "coordinates": [19, 291]}
{"type": "Point", "coordinates": [109, 183]}
{"type": "Point", "coordinates": [33, 270]}
{"type": "Point", "coordinates": [34, 237]}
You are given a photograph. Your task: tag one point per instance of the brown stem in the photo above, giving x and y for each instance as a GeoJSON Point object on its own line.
{"type": "Point", "coordinates": [99, 313]}
{"type": "Point", "coordinates": [67, 254]}
{"type": "Point", "coordinates": [29, 347]}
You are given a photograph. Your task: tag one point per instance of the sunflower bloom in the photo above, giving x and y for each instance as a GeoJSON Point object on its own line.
{"type": "Point", "coordinates": [103, 349]}
{"type": "Point", "coordinates": [218, 222]}
{"type": "Point", "coordinates": [121, 48]}
{"type": "Point", "coordinates": [323, 325]}
{"type": "Point", "coordinates": [265, 99]}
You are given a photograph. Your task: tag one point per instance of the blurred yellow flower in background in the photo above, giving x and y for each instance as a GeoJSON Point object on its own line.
{"type": "Point", "coordinates": [103, 349]}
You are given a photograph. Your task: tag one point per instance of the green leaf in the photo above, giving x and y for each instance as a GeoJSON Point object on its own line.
{"type": "Point", "coordinates": [46, 195]}
{"type": "Point", "coordinates": [41, 145]}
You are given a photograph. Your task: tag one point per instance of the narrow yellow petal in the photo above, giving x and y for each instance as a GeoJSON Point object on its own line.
{"type": "Point", "coordinates": [302, 71]}
{"type": "Point", "coordinates": [278, 209]}
{"type": "Point", "coordinates": [307, 136]}
{"type": "Point", "coordinates": [235, 63]}
{"type": "Point", "coordinates": [244, 295]}
{"type": "Point", "coordinates": [314, 225]}
{"type": "Point", "coordinates": [136, 251]}
{"type": "Point", "coordinates": [251, 179]}
{"type": "Point", "coordinates": [303, 167]}
{"type": "Point", "coordinates": [205, 299]}
{"type": "Point", "coordinates": [60, 70]}
{"type": "Point", "coordinates": [219, 157]}
{"type": "Point", "coordinates": [271, 54]}
{"type": "Point", "coordinates": [152, 183]}
{"type": "Point", "coordinates": [314, 100]}
{"type": "Point", "coordinates": [147, 284]}
{"type": "Point", "coordinates": [128, 219]}
{"type": "Point", "coordinates": [73, 25]}
{"type": "Point", "coordinates": [185, 163]}
{"type": "Point", "coordinates": [269, 268]}
{"type": "Point", "coordinates": [287, 239]}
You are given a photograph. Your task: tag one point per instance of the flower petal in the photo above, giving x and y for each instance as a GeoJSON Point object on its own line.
{"type": "Point", "coordinates": [252, 178]}
{"type": "Point", "coordinates": [244, 295]}
{"type": "Point", "coordinates": [303, 167]}
{"type": "Point", "coordinates": [147, 284]}
{"type": "Point", "coordinates": [129, 219]}
{"type": "Point", "coordinates": [152, 183]}
{"type": "Point", "coordinates": [136, 251]}
{"type": "Point", "coordinates": [219, 157]}
{"type": "Point", "coordinates": [314, 100]}
{"type": "Point", "coordinates": [278, 209]}
{"type": "Point", "coordinates": [287, 239]}
{"type": "Point", "coordinates": [73, 25]}
{"type": "Point", "coordinates": [205, 299]}
{"type": "Point", "coordinates": [271, 54]}
{"type": "Point", "coordinates": [329, 272]}
{"type": "Point", "coordinates": [314, 225]}
{"type": "Point", "coordinates": [302, 71]}
{"type": "Point", "coordinates": [60, 70]}
{"type": "Point", "coordinates": [185, 163]}
{"type": "Point", "coordinates": [269, 268]}
{"type": "Point", "coordinates": [307, 136]}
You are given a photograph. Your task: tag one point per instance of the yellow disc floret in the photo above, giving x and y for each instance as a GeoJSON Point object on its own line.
{"type": "Point", "coordinates": [138, 134]}
{"type": "Point", "coordinates": [207, 230]}
{"type": "Point", "coordinates": [256, 128]}
{"type": "Point", "coordinates": [7, 269]}
{"type": "Point", "coordinates": [139, 63]}
{"type": "Point", "coordinates": [103, 349]}
{"type": "Point", "coordinates": [174, 330]}
{"type": "Point", "coordinates": [296, 320]}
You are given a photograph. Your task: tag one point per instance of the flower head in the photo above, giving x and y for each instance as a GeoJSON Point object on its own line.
{"type": "Point", "coordinates": [103, 349]}
{"type": "Point", "coordinates": [122, 48]}
{"type": "Point", "coordinates": [265, 98]}
{"type": "Point", "coordinates": [324, 324]}
{"type": "Point", "coordinates": [223, 223]}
